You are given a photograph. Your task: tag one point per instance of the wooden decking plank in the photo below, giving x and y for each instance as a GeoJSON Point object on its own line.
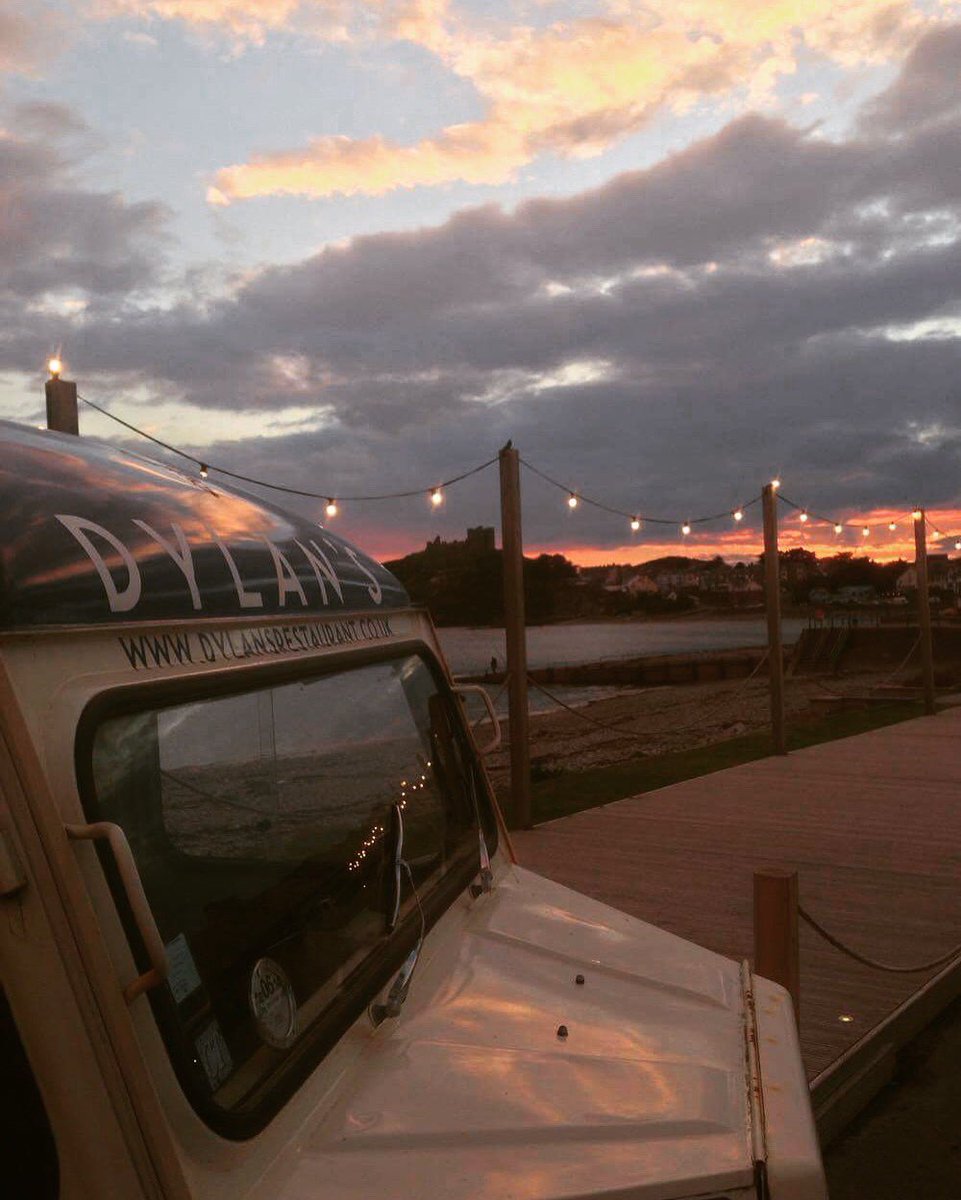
{"type": "Point", "coordinates": [871, 823]}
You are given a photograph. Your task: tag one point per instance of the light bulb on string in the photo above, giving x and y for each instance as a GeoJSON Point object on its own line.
{"type": "Point", "coordinates": [635, 524]}
{"type": "Point", "coordinates": [738, 514]}
{"type": "Point", "coordinates": [865, 532]}
{"type": "Point", "coordinates": [935, 535]}
{"type": "Point", "coordinates": [775, 483]}
{"type": "Point", "coordinates": [436, 497]}
{"type": "Point", "coordinates": [55, 366]}
{"type": "Point", "coordinates": [892, 525]}
{"type": "Point", "coordinates": [203, 470]}
{"type": "Point", "coordinates": [957, 545]}
{"type": "Point", "coordinates": [803, 518]}
{"type": "Point", "coordinates": [917, 514]}
{"type": "Point", "coordinates": [838, 528]}
{"type": "Point", "coordinates": [572, 501]}
{"type": "Point", "coordinates": [685, 528]}
{"type": "Point", "coordinates": [331, 509]}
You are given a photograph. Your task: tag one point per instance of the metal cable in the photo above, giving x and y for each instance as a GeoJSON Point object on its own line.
{"type": "Point", "coordinates": [873, 962]}
{"type": "Point", "coordinates": [279, 487]}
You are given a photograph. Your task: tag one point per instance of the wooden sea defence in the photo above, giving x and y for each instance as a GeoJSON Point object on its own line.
{"type": "Point", "coordinates": [707, 666]}
{"type": "Point", "coordinates": [871, 824]}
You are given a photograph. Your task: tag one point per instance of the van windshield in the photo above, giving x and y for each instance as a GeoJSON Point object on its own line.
{"type": "Point", "coordinates": [264, 826]}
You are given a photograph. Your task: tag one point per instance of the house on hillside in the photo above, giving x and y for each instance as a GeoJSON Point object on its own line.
{"type": "Point", "coordinates": [641, 585]}
{"type": "Point", "coordinates": [943, 573]}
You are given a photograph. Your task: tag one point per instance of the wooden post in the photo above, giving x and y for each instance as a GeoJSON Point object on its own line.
{"type": "Point", "coordinates": [772, 603]}
{"type": "Point", "coordinates": [514, 628]}
{"type": "Point", "coordinates": [924, 608]}
{"type": "Point", "coordinates": [776, 954]}
{"type": "Point", "coordinates": [62, 405]}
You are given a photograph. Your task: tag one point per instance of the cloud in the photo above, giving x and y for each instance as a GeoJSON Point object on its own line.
{"type": "Point", "coordinates": [574, 87]}
{"type": "Point", "coordinates": [764, 300]}
{"type": "Point", "coordinates": [250, 22]}
{"type": "Point", "coordinates": [67, 253]}
{"type": "Point", "coordinates": [29, 39]}
{"type": "Point", "coordinates": [42, 119]}
{"type": "Point", "coordinates": [926, 90]}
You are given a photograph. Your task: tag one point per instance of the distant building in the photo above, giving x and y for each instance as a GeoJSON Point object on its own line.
{"type": "Point", "coordinates": [640, 585]}
{"type": "Point", "coordinates": [480, 539]}
{"type": "Point", "coordinates": [943, 572]}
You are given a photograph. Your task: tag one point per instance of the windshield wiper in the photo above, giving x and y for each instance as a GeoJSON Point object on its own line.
{"type": "Point", "coordinates": [400, 988]}
{"type": "Point", "coordinates": [486, 874]}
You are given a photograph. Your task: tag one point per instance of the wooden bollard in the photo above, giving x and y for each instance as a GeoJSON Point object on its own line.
{"type": "Point", "coordinates": [776, 954]}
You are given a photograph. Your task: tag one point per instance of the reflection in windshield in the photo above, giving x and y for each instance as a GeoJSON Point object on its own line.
{"type": "Point", "coordinates": [260, 826]}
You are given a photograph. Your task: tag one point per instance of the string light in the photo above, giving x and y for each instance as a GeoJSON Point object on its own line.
{"type": "Point", "coordinates": [574, 499]}
{"type": "Point", "coordinates": [55, 366]}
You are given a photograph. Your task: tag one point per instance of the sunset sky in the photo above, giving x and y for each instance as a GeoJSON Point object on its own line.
{"type": "Point", "coordinates": [671, 249]}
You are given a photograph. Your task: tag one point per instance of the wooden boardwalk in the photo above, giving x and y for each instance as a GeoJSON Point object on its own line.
{"type": "Point", "coordinates": [871, 823]}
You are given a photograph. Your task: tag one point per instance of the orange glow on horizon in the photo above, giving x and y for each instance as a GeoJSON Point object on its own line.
{"type": "Point", "coordinates": [736, 544]}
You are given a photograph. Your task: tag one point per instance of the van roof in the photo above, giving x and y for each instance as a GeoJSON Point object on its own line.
{"type": "Point", "coordinates": [95, 534]}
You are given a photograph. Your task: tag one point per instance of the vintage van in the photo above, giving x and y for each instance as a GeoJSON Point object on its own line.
{"type": "Point", "coordinates": [261, 935]}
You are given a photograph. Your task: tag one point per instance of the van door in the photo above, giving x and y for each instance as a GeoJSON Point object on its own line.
{"type": "Point", "coordinates": [27, 1147]}
{"type": "Point", "coordinates": [63, 1121]}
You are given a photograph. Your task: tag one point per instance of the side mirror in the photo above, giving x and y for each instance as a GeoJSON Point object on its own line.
{"type": "Point", "coordinates": [462, 691]}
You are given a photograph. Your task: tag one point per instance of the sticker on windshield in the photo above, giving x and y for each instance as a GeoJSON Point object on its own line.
{"type": "Point", "coordinates": [214, 1055]}
{"type": "Point", "coordinates": [183, 978]}
{"type": "Point", "coordinates": [273, 1004]}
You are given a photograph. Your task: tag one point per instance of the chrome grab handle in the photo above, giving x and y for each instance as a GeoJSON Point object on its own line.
{"type": "Point", "coordinates": [107, 831]}
{"type": "Point", "coordinates": [492, 745]}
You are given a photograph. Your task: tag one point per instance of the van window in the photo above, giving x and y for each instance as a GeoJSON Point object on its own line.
{"type": "Point", "coordinates": [264, 828]}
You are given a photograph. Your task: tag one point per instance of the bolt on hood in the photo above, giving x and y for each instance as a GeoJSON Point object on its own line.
{"type": "Point", "coordinates": [473, 1093]}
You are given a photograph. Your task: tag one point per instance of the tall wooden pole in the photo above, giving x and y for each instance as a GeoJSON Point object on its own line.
{"type": "Point", "coordinates": [772, 603]}
{"type": "Point", "coordinates": [924, 608]}
{"type": "Point", "coordinates": [514, 628]}
{"type": "Point", "coordinates": [62, 405]}
{"type": "Point", "coordinates": [776, 947]}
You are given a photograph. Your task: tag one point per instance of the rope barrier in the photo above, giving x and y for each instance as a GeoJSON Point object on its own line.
{"type": "Point", "coordinates": [700, 720]}
{"type": "Point", "coordinates": [883, 682]}
{"type": "Point", "coordinates": [735, 692]}
{"type": "Point", "coordinates": [873, 962]}
{"type": "Point", "coordinates": [622, 733]}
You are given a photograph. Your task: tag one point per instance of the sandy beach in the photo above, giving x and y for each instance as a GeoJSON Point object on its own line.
{"type": "Point", "coordinates": [661, 720]}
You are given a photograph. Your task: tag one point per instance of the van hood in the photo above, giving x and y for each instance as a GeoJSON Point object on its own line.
{"type": "Point", "coordinates": [474, 1092]}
